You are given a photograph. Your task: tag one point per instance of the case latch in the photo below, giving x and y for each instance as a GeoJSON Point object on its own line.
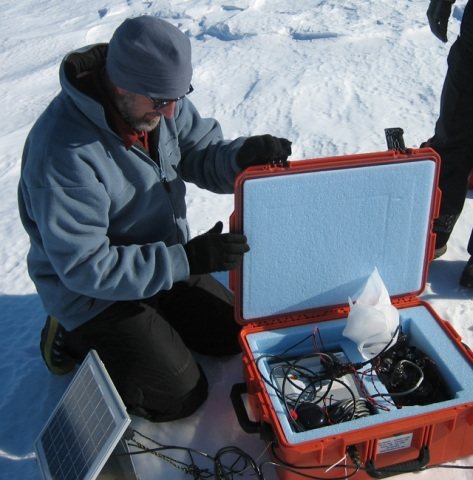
{"type": "Point", "coordinates": [395, 139]}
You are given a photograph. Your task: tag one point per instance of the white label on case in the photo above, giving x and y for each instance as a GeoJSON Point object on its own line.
{"type": "Point", "coordinates": [395, 443]}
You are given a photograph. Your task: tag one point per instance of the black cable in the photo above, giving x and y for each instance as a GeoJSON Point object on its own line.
{"type": "Point", "coordinates": [188, 468]}
{"type": "Point", "coordinates": [312, 382]}
{"type": "Point", "coordinates": [224, 472]}
{"type": "Point", "coordinates": [312, 335]}
{"type": "Point", "coordinates": [221, 471]}
{"type": "Point", "coordinates": [242, 463]}
{"type": "Point", "coordinates": [291, 364]}
{"type": "Point", "coordinates": [347, 410]}
{"type": "Point", "coordinates": [449, 466]}
{"type": "Point", "coordinates": [291, 371]}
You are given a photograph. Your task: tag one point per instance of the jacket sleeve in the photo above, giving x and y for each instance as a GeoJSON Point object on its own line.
{"type": "Point", "coordinates": [207, 159]}
{"type": "Point", "coordinates": [73, 230]}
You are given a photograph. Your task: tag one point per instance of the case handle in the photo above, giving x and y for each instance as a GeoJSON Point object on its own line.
{"type": "Point", "coordinates": [403, 467]}
{"type": "Point", "coordinates": [246, 424]}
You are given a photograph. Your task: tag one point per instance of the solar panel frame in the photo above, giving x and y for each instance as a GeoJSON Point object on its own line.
{"type": "Point", "coordinates": [119, 465]}
{"type": "Point", "coordinates": [84, 428]}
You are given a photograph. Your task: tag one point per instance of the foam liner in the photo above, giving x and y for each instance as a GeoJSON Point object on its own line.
{"type": "Point", "coordinates": [316, 239]}
{"type": "Point", "coordinates": [423, 331]}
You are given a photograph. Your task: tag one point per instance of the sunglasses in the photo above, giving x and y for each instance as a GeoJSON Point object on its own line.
{"type": "Point", "coordinates": [158, 103]}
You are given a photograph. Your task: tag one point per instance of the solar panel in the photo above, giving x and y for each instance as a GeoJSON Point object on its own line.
{"type": "Point", "coordinates": [85, 427]}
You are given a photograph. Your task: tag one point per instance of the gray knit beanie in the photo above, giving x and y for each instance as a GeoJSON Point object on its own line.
{"type": "Point", "coordinates": [149, 56]}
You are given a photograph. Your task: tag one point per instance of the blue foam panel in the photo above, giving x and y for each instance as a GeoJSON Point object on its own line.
{"type": "Point", "coordinates": [316, 237]}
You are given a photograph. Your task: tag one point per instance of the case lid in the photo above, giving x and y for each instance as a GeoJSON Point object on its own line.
{"type": "Point", "coordinates": [318, 228]}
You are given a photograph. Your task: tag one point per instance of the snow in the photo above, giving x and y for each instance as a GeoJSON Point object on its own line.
{"type": "Point", "coordinates": [329, 75]}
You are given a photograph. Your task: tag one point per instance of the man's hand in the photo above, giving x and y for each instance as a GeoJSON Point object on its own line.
{"type": "Point", "coordinates": [438, 13]}
{"type": "Point", "coordinates": [215, 251]}
{"type": "Point", "coordinates": [263, 149]}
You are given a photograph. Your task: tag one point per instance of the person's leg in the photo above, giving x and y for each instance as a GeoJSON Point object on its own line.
{"type": "Point", "coordinates": [466, 278]}
{"type": "Point", "coordinates": [201, 310]}
{"type": "Point", "coordinates": [144, 345]}
{"type": "Point", "coordinates": [454, 130]}
{"type": "Point", "coordinates": [453, 142]}
{"type": "Point", "coordinates": [152, 369]}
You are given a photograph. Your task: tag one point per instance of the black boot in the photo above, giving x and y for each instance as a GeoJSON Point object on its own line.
{"type": "Point", "coordinates": [443, 226]}
{"type": "Point", "coordinates": [53, 349]}
{"type": "Point", "coordinates": [466, 280]}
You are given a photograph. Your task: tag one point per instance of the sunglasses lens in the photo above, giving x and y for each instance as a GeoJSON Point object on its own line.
{"type": "Point", "coordinates": [157, 103]}
{"type": "Point", "coordinates": [160, 104]}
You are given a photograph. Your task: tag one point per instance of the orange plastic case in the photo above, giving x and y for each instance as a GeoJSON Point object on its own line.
{"type": "Point", "coordinates": [317, 229]}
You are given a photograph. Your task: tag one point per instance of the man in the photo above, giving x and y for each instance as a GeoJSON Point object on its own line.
{"type": "Point", "coordinates": [453, 138]}
{"type": "Point", "coordinates": [102, 197]}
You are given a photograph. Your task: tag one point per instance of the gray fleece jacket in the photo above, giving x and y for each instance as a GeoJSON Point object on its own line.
{"type": "Point", "coordinates": [106, 223]}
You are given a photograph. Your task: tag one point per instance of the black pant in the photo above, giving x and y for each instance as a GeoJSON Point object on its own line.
{"type": "Point", "coordinates": [145, 345]}
{"type": "Point", "coordinates": [453, 138]}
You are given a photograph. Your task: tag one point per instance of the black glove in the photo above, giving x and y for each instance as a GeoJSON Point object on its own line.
{"type": "Point", "coordinates": [215, 251]}
{"type": "Point", "coordinates": [438, 13]}
{"type": "Point", "coordinates": [261, 149]}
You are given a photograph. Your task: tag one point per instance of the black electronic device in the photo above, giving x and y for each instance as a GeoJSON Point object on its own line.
{"type": "Point", "coordinates": [409, 375]}
{"type": "Point", "coordinates": [310, 416]}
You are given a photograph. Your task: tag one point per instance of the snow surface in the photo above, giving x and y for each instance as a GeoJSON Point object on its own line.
{"type": "Point", "coordinates": [328, 74]}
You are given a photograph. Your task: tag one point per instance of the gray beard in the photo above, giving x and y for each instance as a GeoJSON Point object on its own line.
{"type": "Point", "coordinates": [140, 124]}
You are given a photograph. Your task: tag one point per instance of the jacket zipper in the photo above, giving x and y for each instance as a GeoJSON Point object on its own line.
{"type": "Point", "coordinates": [162, 175]}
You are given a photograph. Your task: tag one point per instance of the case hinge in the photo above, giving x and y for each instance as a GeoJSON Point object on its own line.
{"type": "Point", "coordinates": [403, 301]}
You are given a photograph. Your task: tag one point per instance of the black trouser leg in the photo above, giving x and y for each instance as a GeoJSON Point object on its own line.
{"type": "Point", "coordinates": [205, 320]}
{"type": "Point", "coordinates": [145, 345]}
{"type": "Point", "coordinates": [453, 138]}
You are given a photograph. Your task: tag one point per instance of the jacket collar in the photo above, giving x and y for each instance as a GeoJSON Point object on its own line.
{"type": "Point", "coordinates": [84, 71]}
